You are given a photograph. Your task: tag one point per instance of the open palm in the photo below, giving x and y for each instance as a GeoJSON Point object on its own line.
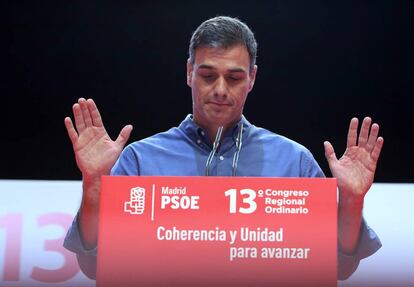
{"type": "Point", "coordinates": [95, 151]}
{"type": "Point", "coordinates": [355, 170]}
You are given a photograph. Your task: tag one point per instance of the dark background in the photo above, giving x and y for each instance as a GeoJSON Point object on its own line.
{"type": "Point", "coordinates": [320, 63]}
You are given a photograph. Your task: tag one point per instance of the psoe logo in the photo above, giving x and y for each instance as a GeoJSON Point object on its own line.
{"type": "Point", "coordinates": [136, 203]}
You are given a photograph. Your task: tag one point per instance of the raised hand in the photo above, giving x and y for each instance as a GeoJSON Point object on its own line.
{"type": "Point", "coordinates": [355, 170]}
{"type": "Point", "coordinates": [95, 151]}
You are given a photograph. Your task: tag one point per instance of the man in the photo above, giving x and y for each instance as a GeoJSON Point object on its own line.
{"type": "Point", "coordinates": [221, 71]}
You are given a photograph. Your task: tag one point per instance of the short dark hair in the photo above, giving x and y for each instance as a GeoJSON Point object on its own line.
{"type": "Point", "coordinates": [223, 32]}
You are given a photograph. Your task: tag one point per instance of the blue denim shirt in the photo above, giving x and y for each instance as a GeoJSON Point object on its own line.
{"type": "Point", "coordinates": [183, 151]}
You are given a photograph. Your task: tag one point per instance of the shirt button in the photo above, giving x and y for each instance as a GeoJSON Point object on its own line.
{"type": "Point", "coordinates": [199, 141]}
{"type": "Point", "coordinates": [221, 157]}
{"type": "Point", "coordinates": [202, 133]}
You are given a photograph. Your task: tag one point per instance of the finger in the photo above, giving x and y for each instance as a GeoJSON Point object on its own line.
{"type": "Point", "coordinates": [363, 134]}
{"type": "Point", "coordinates": [124, 135]}
{"type": "Point", "coordinates": [377, 149]}
{"type": "Point", "coordinates": [73, 135]}
{"type": "Point", "coordinates": [85, 112]}
{"type": "Point", "coordinates": [79, 122]}
{"type": "Point", "coordinates": [352, 133]}
{"type": "Point", "coordinates": [329, 153]}
{"type": "Point", "coordinates": [373, 135]}
{"type": "Point", "coordinates": [94, 112]}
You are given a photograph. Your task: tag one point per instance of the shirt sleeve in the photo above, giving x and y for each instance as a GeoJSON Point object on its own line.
{"type": "Point", "coordinates": [368, 244]}
{"type": "Point", "coordinates": [86, 257]}
{"type": "Point", "coordinates": [73, 241]}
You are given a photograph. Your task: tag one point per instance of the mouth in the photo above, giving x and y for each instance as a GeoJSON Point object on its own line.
{"type": "Point", "coordinates": [219, 104]}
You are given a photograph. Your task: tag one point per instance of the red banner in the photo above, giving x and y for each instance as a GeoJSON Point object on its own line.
{"type": "Point", "coordinates": [217, 231]}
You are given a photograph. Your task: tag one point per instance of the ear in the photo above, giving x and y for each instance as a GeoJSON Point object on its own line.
{"type": "Point", "coordinates": [190, 68]}
{"type": "Point", "coordinates": [252, 77]}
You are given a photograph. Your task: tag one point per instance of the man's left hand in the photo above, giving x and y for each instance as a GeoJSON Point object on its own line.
{"type": "Point", "coordinates": [355, 170]}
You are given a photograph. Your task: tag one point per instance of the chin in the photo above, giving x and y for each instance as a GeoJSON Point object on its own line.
{"type": "Point", "coordinates": [219, 118]}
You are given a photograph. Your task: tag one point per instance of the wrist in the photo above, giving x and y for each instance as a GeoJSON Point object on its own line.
{"type": "Point", "coordinates": [91, 179]}
{"type": "Point", "coordinates": [91, 190]}
{"type": "Point", "coordinates": [350, 201]}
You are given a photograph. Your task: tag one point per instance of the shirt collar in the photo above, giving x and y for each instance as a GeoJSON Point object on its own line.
{"type": "Point", "coordinates": [196, 133]}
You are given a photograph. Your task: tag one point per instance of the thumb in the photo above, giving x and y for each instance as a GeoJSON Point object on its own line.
{"type": "Point", "coordinates": [329, 153]}
{"type": "Point", "coordinates": [124, 135]}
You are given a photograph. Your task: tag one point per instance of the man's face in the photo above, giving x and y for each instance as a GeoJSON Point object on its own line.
{"type": "Point", "coordinates": [220, 81]}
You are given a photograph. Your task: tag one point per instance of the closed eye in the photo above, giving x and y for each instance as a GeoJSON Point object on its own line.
{"type": "Point", "coordinates": [208, 77]}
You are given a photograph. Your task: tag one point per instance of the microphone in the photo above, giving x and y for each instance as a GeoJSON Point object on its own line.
{"type": "Point", "coordinates": [213, 151]}
{"type": "Point", "coordinates": [238, 148]}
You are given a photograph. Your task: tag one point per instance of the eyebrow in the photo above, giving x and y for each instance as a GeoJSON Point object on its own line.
{"type": "Point", "coordinates": [231, 70]}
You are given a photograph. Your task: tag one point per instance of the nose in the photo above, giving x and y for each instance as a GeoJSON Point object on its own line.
{"type": "Point", "coordinates": [220, 89]}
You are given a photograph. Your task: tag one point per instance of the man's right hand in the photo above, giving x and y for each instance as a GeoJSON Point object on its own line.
{"type": "Point", "coordinates": [95, 152]}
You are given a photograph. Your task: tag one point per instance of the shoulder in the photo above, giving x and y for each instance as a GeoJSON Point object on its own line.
{"type": "Point", "coordinates": [144, 151]}
{"type": "Point", "coordinates": [275, 140]}
{"type": "Point", "coordinates": [282, 152]}
{"type": "Point", "coordinates": [163, 140]}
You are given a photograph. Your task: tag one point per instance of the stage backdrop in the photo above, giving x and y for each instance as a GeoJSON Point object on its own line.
{"type": "Point", "coordinates": [35, 215]}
